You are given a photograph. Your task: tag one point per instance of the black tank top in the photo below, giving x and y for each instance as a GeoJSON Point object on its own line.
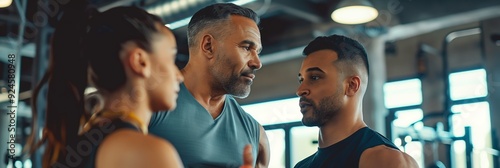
{"type": "Point", "coordinates": [82, 154]}
{"type": "Point", "coordinates": [347, 152]}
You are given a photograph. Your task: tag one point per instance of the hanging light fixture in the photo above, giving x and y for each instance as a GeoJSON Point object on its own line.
{"type": "Point", "coordinates": [5, 3]}
{"type": "Point", "coordinates": [354, 12]}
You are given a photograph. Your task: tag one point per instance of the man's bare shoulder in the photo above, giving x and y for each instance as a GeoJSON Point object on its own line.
{"type": "Point", "coordinates": [383, 156]}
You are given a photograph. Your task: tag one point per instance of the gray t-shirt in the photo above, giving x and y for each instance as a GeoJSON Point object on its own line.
{"type": "Point", "coordinates": [202, 141]}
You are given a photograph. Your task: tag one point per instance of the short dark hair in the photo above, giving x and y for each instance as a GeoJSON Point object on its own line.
{"type": "Point", "coordinates": [347, 49]}
{"type": "Point", "coordinates": [215, 14]}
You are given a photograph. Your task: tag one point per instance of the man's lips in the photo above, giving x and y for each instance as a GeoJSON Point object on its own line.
{"type": "Point", "coordinates": [304, 104]}
{"type": "Point", "coordinates": [251, 76]}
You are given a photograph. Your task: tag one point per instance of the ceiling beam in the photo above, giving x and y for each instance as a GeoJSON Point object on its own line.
{"type": "Point", "coordinates": [115, 4]}
{"type": "Point", "coordinates": [426, 26]}
{"type": "Point", "coordinates": [282, 56]}
{"type": "Point", "coordinates": [298, 9]}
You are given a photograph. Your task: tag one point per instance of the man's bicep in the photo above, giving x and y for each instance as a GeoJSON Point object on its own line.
{"type": "Point", "coordinates": [264, 152]}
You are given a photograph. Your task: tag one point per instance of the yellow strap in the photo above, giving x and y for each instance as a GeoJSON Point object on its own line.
{"type": "Point", "coordinates": [129, 117]}
{"type": "Point", "coordinates": [141, 125]}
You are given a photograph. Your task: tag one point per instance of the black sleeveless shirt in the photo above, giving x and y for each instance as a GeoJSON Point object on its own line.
{"type": "Point", "coordinates": [346, 153]}
{"type": "Point", "coordinates": [82, 154]}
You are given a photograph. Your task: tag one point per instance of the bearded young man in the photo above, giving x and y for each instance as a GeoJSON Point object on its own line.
{"type": "Point", "coordinates": [333, 80]}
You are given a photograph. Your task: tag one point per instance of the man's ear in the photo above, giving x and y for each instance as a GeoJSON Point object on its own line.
{"type": "Point", "coordinates": [207, 45]}
{"type": "Point", "coordinates": [139, 62]}
{"type": "Point", "coordinates": [353, 85]}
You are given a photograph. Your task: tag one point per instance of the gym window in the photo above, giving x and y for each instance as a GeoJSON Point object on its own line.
{"type": "Point", "coordinates": [403, 93]}
{"type": "Point", "coordinates": [403, 98]}
{"type": "Point", "coordinates": [468, 91]}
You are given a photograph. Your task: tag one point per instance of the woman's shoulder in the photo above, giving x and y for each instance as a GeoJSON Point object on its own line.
{"type": "Point", "coordinates": [129, 147]}
{"type": "Point", "coordinates": [134, 139]}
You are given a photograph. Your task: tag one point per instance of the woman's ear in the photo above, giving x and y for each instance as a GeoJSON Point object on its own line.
{"type": "Point", "coordinates": [139, 62]}
{"type": "Point", "coordinates": [354, 83]}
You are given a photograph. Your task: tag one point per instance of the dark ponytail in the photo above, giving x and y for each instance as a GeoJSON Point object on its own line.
{"type": "Point", "coordinates": [67, 80]}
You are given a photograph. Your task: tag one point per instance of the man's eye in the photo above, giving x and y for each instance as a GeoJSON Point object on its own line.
{"type": "Point", "coordinates": [314, 77]}
{"type": "Point", "coordinates": [247, 48]}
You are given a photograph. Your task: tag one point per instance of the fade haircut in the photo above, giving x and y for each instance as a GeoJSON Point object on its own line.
{"type": "Point", "coordinates": [349, 51]}
{"type": "Point", "coordinates": [213, 16]}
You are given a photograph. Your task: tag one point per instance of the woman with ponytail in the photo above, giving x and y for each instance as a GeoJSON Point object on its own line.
{"type": "Point", "coordinates": [128, 55]}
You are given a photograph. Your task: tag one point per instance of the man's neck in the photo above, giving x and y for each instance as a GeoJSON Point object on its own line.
{"type": "Point", "coordinates": [203, 91]}
{"type": "Point", "coordinates": [336, 130]}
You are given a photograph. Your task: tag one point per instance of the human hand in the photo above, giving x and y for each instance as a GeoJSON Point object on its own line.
{"type": "Point", "coordinates": [247, 157]}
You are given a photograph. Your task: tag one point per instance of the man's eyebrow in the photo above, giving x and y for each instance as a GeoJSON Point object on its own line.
{"type": "Point", "coordinates": [248, 42]}
{"type": "Point", "coordinates": [251, 43]}
{"type": "Point", "coordinates": [312, 69]}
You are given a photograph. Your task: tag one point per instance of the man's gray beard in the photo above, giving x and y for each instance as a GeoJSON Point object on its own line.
{"type": "Point", "coordinates": [236, 88]}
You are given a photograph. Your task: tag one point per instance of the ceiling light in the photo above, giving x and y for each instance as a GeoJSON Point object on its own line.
{"type": "Point", "coordinates": [354, 12]}
{"type": "Point", "coordinates": [5, 3]}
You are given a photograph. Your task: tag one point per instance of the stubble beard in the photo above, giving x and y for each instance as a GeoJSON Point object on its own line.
{"type": "Point", "coordinates": [327, 108]}
{"type": "Point", "coordinates": [231, 83]}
